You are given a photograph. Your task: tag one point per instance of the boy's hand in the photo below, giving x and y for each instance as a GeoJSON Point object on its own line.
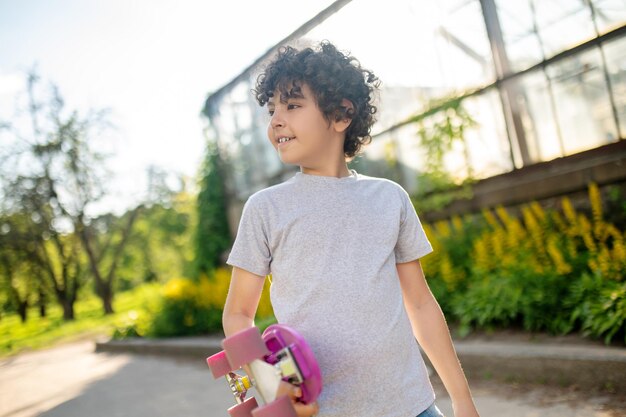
{"type": "Point", "coordinates": [294, 392]}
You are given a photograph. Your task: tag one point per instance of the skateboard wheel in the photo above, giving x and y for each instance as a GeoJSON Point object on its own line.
{"type": "Point", "coordinates": [281, 407]}
{"type": "Point", "coordinates": [244, 409]}
{"type": "Point", "coordinates": [244, 347]}
{"type": "Point", "coordinates": [219, 364]}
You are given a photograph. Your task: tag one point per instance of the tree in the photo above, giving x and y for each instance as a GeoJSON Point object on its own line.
{"type": "Point", "coordinates": [53, 175]}
{"type": "Point", "coordinates": [15, 276]}
{"type": "Point", "coordinates": [162, 244]}
{"type": "Point", "coordinates": [104, 255]}
{"type": "Point", "coordinates": [213, 235]}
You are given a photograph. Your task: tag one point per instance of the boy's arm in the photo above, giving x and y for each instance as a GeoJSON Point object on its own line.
{"type": "Point", "coordinates": [432, 333]}
{"type": "Point", "coordinates": [242, 301]}
{"type": "Point", "coordinates": [240, 308]}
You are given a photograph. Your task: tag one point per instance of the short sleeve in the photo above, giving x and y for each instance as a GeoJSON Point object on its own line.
{"type": "Point", "coordinates": [412, 241]}
{"type": "Point", "coordinates": [250, 250]}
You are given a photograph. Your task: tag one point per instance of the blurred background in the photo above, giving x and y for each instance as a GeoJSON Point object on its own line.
{"type": "Point", "coordinates": [129, 142]}
{"type": "Point", "coordinates": [505, 122]}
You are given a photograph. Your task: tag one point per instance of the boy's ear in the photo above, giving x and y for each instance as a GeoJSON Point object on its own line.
{"type": "Point", "coordinates": [344, 117]}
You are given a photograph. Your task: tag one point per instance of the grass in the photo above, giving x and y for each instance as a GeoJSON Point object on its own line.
{"type": "Point", "coordinates": [41, 332]}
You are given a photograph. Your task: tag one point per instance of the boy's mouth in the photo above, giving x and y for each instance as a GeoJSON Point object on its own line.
{"type": "Point", "coordinates": [284, 139]}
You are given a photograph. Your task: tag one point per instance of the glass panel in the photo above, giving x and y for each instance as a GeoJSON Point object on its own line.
{"type": "Point", "coordinates": [615, 53]}
{"type": "Point", "coordinates": [464, 45]}
{"type": "Point", "coordinates": [563, 24]}
{"type": "Point", "coordinates": [420, 46]}
{"type": "Point", "coordinates": [412, 154]}
{"type": "Point", "coordinates": [540, 128]}
{"type": "Point", "coordinates": [610, 14]}
{"type": "Point", "coordinates": [582, 102]}
{"type": "Point", "coordinates": [427, 50]}
{"type": "Point", "coordinates": [399, 103]}
{"type": "Point", "coordinates": [487, 144]}
{"type": "Point", "coordinates": [521, 41]}
{"type": "Point", "coordinates": [401, 144]}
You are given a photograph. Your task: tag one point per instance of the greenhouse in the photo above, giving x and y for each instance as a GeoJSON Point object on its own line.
{"type": "Point", "coordinates": [526, 99]}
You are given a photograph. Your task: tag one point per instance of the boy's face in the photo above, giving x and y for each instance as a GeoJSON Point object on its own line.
{"type": "Point", "coordinates": [313, 140]}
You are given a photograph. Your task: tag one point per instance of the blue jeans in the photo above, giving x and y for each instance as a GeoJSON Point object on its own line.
{"type": "Point", "coordinates": [431, 411]}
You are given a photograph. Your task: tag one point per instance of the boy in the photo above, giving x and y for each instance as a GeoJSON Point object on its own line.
{"type": "Point", "coordinates": [343, 250]}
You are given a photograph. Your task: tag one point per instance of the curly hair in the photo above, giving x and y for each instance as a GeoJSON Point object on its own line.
{"type": "Point", "coordinates": [332, 76]}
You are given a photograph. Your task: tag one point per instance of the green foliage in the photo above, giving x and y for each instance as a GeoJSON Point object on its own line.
{"type": "Point", "coordinates": [178, 319]}
{"type": "Point", "coordinates": [41, 332]}
{"type": "Point", "coordinates": [439, 130]}
{"type": "Point", "coordinates": [546, 270]}
{"type": "Point", "coordinates": [183, 310]}
{"type": "Point", "coordinates": [598, 307]}
{"type": "Point", "coordinates": [265, 322]}
{"type": "Point", "coordinates": [212, 234]}
{"type": "Point", "coordinates": [191, 307]}
{"type": "Point", "coordinates": [438, 190]}
{"type": "Point", "coordinates": [516, 297]}
{"type": "Point", "coordinates": [161, 244]}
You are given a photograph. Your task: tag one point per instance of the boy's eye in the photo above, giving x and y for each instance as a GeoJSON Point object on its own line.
{"type": "Point", "coordinates": [292, 106]}
{"type": "Point", "coordinates": [271, 112]}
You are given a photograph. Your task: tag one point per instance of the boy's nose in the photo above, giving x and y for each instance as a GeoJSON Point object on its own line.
{"type": "Point", "coordinates": [277, 121]}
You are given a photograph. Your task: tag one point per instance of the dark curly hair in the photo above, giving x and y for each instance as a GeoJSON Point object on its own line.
{"type": "Point", "coordinates": [331, 76]}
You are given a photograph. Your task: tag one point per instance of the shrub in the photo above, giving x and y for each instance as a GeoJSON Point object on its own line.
{"type": "Point", "coordinates": [188, 307]}
{"type": "Point", "coordinates": [557, 271]}
{"type": "Point", "coordinates": [598, 307]}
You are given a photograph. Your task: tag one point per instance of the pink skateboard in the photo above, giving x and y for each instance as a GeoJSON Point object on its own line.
{"type": "Point", "coordinates": [279, 354]}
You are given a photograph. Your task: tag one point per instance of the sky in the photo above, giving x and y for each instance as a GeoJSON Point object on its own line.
{"type": "Point", "coordinates": [151, 62]}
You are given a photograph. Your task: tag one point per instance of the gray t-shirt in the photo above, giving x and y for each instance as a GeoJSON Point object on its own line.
{"type": "Point", "coordinates": [331, 245]}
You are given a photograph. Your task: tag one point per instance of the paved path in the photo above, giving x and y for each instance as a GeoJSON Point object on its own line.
{"type": "Point", "coordinates": [72, 381]}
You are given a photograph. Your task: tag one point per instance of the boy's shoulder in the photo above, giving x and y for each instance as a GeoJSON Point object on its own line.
{"type": "Point", "coordinates": [272, 191]}
{"type": "Point", "coordinates": [383, 188]}
{"type": "Point", "coordinates": [260, 199]}
{"type": "Point", "coordinates": [384, 184]}
{"type": "Point", "coordinates": [286, 188]}
{"type": "Point", "coordinates": [381, 180]}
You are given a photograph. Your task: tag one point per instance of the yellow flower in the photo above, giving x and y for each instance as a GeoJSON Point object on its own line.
{"type": "Point", "coordinates": [491, 219]}
{"type": "Point", "coordinates": [217, 288]}
{"type": "Point", "coordinates": [179, 289]}
{"type": "Point", "coordinates": [497, 238]}
{"type": "Point", "coordinates": [585, 232]}
{"type": "Point", "coordinates": [536, 232]}
{"type": "Point", "coordinates": [481, 254]}
{"type": "Point", "coordinates": [504, 216]}
{"type": "Point", "coordinates": [619, 250]}
{"type": "Point", "coordinates": [596, 202]}
{"type": "Point", "coordinates": [562, 267]}
{"type": "Point", "coordinates": [443, 228]}
{"type": "Point", "coordinates": [447, 272]}
{"type": "Point", "coordinates": [558, 221]}
{"type": "Point", "coordinates": [538, 211]}
{"type": "Point", "coordinates": [265, 305]}
{"type": "Point", "coordinates": [568, 210]}
{"type": "Point", "coordinates": [457, 223]}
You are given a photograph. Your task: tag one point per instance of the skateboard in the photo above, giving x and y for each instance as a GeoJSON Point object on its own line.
{"type": "Point", "coordinates": [280, 353]}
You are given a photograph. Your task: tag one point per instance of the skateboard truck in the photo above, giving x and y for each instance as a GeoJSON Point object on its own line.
{"type": "Point", "coordinates": [288, 365]}
{"type": "Point", "coordinates": [268, 374]}
{"type": "Point", "coordinates": [239, 386]}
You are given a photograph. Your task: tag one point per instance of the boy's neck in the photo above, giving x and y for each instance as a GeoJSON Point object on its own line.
{"type": "Point", "coordinates": [334, 171]}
